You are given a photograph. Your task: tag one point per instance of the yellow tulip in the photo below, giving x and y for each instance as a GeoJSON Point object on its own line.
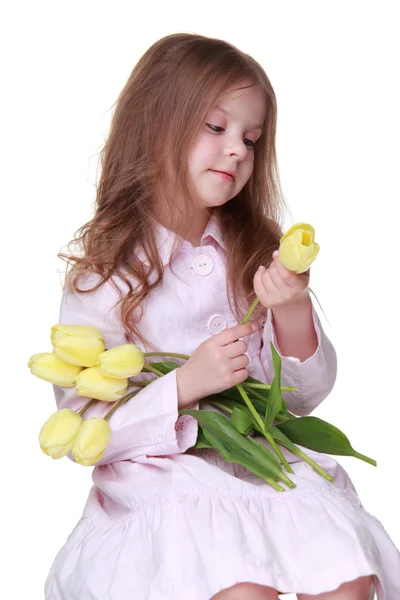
{"type": "Point", "coordinates": [77, 344]}
{"type": "Point", "coordinates": [297, 248]}
{"type": "Point", "coordinates": [58, 434]}
{"type": "Point", "coordinates": [91, 442]}
{"type": "Point", "coordinates": [90, 382]}
{"type": "Point", "coordinates": [122, 361]}
{"type": "Point", "coordinates": [49, 367]}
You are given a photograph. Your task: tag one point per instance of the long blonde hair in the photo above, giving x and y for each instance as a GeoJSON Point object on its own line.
{"type": "Point", "coordinates": [157, 118]}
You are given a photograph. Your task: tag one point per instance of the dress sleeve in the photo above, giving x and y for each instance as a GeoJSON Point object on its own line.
{"type": "Point", "coordinates": [314, 378]}
{"type": "Point", "coordinates": [148, 423]}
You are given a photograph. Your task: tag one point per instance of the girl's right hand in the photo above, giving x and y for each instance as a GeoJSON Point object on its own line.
{"type": "Point", "coordinates": [216, 365]}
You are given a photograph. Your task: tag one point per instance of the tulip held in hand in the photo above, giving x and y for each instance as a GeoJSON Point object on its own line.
{"type": "Point", "coordinates": [77, 344]}
{"type": "Point", "coordinates": [58, 434]}
{"type": "Point", "coordinates": [49, 367]}
{"type": "Point", "coordinates": [297, 248]}
{"type": "Point", "coordinates": [122, 361]}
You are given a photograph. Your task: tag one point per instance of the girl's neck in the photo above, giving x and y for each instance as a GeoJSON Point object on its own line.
{"type": "Point", "coordinates": [192, 230]}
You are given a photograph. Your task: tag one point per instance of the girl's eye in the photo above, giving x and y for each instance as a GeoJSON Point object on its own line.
{"type": "Point", "coordinates": [214, 127]}
{"type": "Point", "coordinates": [250, 143]}
{"type": "Point", "coordinates": [217, 129]}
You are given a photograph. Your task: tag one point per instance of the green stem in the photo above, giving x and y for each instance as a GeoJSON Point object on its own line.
{"type": "Point", "coordinates": [371, 461]}
{"type": "Point", "coordinates": [275, 485]}
{"type": "Point", "coordinates": [266, 434]}
{"type": "Point", "coordinates": [127, 397]}
{"type": "Point", "coordinates": [312, 464]}
{"type": "Point", "coordinates": [250, 406]}
{"type": "Point", "coordinates": [167, 354]}
{"type": "Point", "coordinates": [120, 402]}
{"type": "Point", "coordinates": [267, 386]}
{"type": "Point", "coordinates": [248, 314]}
{"type": "Point", "coordinates": [221, 406]}
{"type": "Point", "coordinates": [283, 415]}
{"type": "Point", "coordinates": [279, 454]}
{"type": "Point", "coordinates": [84, 408]}
{"type": "Point", "coordinates": [148, 368]}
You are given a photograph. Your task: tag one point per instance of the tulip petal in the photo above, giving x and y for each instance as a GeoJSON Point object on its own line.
{"type": "Point", "coordinates": [58, 433]}
{"type": "Point", "coordinates": [59, 331]}
{"type": "Point", "coordinates": [299, 226]}
{"type": "Point", "coordinates": [126, 360]}
{"type": "Point", "coordinates": [79, 351]}
{"type": "Point", "coordinates": [92, 440]}
{"type": "Point", "coordinates": [289, 254]}
{"type": "Point", "coordinates": [48, 366]}
{"type": "Point", "coordinates": [297, 248]}
{"type": "Point", "coordinates": [92, 384]}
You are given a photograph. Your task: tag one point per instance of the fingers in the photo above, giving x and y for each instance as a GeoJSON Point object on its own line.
{"type": "Point", "coordinates": [235, 349]}
{"type": "Point", "coordinates": [235, 333]}
{"type": "Point", "coordinates": [240, 362]}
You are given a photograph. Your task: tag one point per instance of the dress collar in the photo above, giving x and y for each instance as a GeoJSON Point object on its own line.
{"type": "Point", "coordinates": [165, 239]}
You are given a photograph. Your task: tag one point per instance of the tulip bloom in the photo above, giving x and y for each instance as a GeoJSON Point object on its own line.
{"type": "Point", "coordinates": [91, 383]}
{"type": "Point", "coordinates": [77, 344]}
{"type": "Point", "coordinates": [48, 366]}
{"type": "Point", "coordinates": [297, 248]}
{"type": "Point", "coordinates": [91, 442]}
{"type": "Point", "coordinates": [122, 361]}
{"type": "Point", "coordinates": [58, 434]}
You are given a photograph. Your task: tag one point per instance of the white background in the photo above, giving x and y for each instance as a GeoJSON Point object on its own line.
{"type": "Point", "coordinates": [334, 68]}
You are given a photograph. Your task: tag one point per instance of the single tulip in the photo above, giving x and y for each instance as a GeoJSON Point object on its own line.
{"type": "Point", "coordinates": [297, 248]}
{"type": "Point", "coordinates": [90, 382]}
{"type": "Point", "coordinates": [58, 434]}
{"type": "Point", "coordinates": [122, 361]}
{"type": "Point", "coordinates": [77, 344]}
{"type": "Point", "coordinates": [91, 442]}
{"type": "Point", "coordinates": [48, 366]}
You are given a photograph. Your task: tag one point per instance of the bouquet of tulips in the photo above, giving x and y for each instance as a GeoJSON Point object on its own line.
{"type": "Point", "coordinates": [252, 408]}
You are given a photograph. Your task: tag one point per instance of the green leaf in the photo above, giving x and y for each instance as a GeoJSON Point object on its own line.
{"type": "Point", "coordinates": [237, 399]}
{"type": "Point", "coordinates": [284, 441]}
{"type": "Point", "coordinates": [237, 448]}
{"type": "Point", "coordinates": [280, 437]}
{"type": "Point", "coordinates": [241, 419]}
{"type": "Point", "coordinates": [320, 436]}
{"type": "Point", "coordinates": [201, 441]}
{"type": "Point", "coordinates": [275, 403]}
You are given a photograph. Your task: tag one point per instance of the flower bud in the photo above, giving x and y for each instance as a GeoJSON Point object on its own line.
{"type": "Point", "coordinates": [297, 248]}
{"type": "Point", "coordinates": [122, 361]}
{"type": "Point", "coordinates": [91, 442]}
{"type": "Point", "coordinates": [49, 367]}
{"type": "Point", "coordinates": [91, 383]}
{"type": "Point", "coordinates": [58, 434]}
{"type": "Point", "coordinates": [77, 344]}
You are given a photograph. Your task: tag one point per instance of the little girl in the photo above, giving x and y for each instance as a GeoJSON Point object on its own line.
{"type": "Point", "coordinates": [188, 207]}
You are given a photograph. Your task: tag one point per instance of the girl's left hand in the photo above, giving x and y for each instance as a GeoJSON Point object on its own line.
{"type": "Point", "coordinates": [276, 286]}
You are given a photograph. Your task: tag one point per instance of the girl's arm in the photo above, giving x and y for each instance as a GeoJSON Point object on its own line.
{"type": "Point", "coordinates": [145, 425]}
{"type": "Point", "coordinates": [308, 356]}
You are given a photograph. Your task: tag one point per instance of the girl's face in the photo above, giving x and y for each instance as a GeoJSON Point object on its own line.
{"type": "Point", "coordinates": [222, 158]}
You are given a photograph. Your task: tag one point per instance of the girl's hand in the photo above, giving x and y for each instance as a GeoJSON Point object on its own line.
{"type": "Point", "coordinates": [216, 365]}
{"type": "Point", "coordinates": [276, 286]}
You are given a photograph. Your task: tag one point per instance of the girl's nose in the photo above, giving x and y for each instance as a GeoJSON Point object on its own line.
{"type": "Point", "coordinates": [235, 148]}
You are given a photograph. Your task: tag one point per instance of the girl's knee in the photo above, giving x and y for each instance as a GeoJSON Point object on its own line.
{"type": "Point", "coordinates": [358, 589]}
{"type": "Point", "coordinates": [247, 591]}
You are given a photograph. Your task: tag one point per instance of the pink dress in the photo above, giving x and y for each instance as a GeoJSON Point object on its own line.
{"type": "Point", "coordinates": [162, 524]}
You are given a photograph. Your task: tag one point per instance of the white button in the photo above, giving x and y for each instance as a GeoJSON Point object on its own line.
{"type": "Point", "coordinates": [216, 324]}
{"type": "Point", "coordinates": [203, 265]}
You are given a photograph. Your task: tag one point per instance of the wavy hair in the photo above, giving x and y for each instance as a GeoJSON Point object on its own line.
{"type": "Point", "coordinates": [157, 118]}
